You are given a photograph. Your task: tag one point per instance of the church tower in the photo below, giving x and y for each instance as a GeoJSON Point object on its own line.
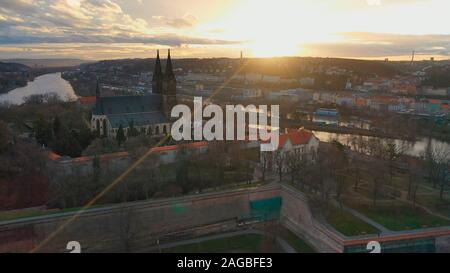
{"type": "Point", "coordinates": [157, 81]}
{"type": "Point", "coordinates": [97, 90]}
{"type": "Point", "coordinates": [98, 101]}
{"type": "Point", "coordinates": [169, 88]}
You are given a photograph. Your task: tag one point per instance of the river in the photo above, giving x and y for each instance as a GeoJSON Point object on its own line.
{"type": "Point", "coordinates": [416, 148]}
{"type": "Point", "coordinates": [48, 83]}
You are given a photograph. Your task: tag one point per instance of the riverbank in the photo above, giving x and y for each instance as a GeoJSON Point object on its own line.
{"type": "Point", "coordinates": [81, 87]}
{"type": "Point", "coordinates": [45, 84]}
{"type": "Point", "coordinates": [9, 89]}
{"type": "Point", "coordinates": [344, 130]}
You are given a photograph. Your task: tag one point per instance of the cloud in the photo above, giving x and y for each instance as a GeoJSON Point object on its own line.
{"type": "Point", "coordinates": [87, 21]}
{"type": "Point", "coordinates": [63, 23]}
{"type": "Point", "coordinates": [187, 21]}
{"type": "Point", "coordinates": [162, 39]}
{"type": "Point", "coordinates": [404, 44]}
{"type": "Point", "coordinates": [360, 44]}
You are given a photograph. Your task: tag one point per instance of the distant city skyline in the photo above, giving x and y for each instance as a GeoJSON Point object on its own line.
{"type": "Point", "coordinates": [112, 29]}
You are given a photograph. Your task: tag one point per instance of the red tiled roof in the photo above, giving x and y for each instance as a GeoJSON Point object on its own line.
{"type": "Point", "coordinates": [406, 236]}
{"type": "Point", "coordinates": [105, 157]}
{"type": "Point", "coordinates": [296, 137]}
{"type": "Point", "coordinates": [434, 101]}
{"type": "Point", "coordinates": [87, 100]}
{"type": "Point", "coordinates": [82, 159]}
{"type": "Point", "coordinates": [175, 147]}
{"type": "Point", "coordinates": [53, 156]}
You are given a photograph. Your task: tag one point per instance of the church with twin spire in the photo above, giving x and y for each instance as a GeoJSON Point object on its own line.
{"type": "Point", "coordinates": [148, 114]}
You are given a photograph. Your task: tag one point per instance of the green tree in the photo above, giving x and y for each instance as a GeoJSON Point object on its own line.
{"type": "Point", "coordinates": [5, 136]}
{"type": "Point", "coordinates": [182, 169]}
{"type": "Point", "coordinates": [43, 132]}
{"type": "Point", "coordinates": [56, 126]}
{"type": "Point", "coordinates": [133, 132]}
{"type": "Point", "coordinates": [66, 143]}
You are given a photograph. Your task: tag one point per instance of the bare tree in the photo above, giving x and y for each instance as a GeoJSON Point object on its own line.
{"type": "Point", "coordinates": [265, 160]}
{"type": "Point", "coordinates": [430, 164]}
{"type": "Point", "coordinates": [325, 171]}
{"type": "Point", "coordinates": [443, 169]}
{"type": "Point", "coordinates": [217, 157]}
{"type": "Point", "coordinates": [279, 161]}
{"type": "Point", "coordinates": [437, 166]}
{"type": "Point", "coordinates": [415, 174]}
{"type": "Point", "coordinates": [357, 173]}
{"type": "Point", "coordinates": [128, 227]}
{"type": "Point", "coordinates": [375, 147]}
{"type": "Point", "coordinates": [248, 172]}
{"type": "Point", "coordinates": [377, 171]}
{"type": "Point", "coordinates": [392, 153]}
{"type": "Point", "coordinates": [296, 163]}
{"type": "Point", "coordinates": [235, 154]}
{"type": "Point", "coordinates": [338, 167]}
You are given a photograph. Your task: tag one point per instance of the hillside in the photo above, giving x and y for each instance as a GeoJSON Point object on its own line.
{"type": "Point", "coordinates": [48, 63]}
{"type": "Point", "coordinates": [13, 67]}
{"type": "Point", "coordinates": [13, 75]}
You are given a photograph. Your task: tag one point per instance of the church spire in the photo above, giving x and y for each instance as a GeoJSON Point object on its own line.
{"type": "Point", "coordinates": [158, 70]}
{"type": "Point", "coordinates": [169, 68]}
{"type": "Point", "coordinates": [169, 93]}
{"type": "Point", "coordinates": [157, 76]}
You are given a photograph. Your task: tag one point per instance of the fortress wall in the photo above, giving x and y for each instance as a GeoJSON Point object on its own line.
{"type": "Point", "coordinates": [296, 216]}
{"type": "Point", "coordinates": [118, 228]}
{"type": "Point", "coordinates": [139, 226]}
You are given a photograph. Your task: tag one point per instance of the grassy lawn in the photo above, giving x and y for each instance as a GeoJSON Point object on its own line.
{"type": "Point", "coordinates": [435, 203]}
{"type": "Point", "coordinates": [399, 217]}
{"type": "Point", "coordinates": [400, 181]}
{"type": "Point", "coordinates": [294, 241]}
{"type": "Point", "coordinates": [368, 193]}
{"type": "Point", "coordinates": [249, 243]}
{"type": "Point", "coordinates": [347, 224]}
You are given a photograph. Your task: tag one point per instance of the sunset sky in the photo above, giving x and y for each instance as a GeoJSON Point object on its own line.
{"type": "Point", "coordinates": [107, 29]}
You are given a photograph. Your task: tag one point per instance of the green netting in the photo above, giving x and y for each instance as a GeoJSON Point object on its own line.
{"type": "Point", "coordinates": [264, 209]}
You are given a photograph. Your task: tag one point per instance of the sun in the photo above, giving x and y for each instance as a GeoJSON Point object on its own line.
{"type": "Point", "coordinates": [269, 28]}
{"type": "Point", "coordinates": [264, 48]}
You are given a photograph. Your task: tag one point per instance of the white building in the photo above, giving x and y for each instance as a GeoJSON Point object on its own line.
{"type": "Point", "coordinates": [301, 142]}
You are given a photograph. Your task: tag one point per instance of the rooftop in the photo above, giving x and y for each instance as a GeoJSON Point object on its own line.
{"type": "Point", "coordinates": [296, 137]}
{"type": "Point", "coordinates": [127, 104]}
{"type": "Point", "coordinates": [138, 119]}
